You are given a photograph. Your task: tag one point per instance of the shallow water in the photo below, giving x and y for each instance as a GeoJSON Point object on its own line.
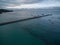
{"type": "Point", "coordinates": [41, 31]}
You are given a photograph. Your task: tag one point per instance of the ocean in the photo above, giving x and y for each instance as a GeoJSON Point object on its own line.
{"type": "Point", "coordinates": [40, 31]}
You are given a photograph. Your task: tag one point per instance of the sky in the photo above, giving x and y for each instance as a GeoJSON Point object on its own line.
{"type": "Point", "coordinates": [29, 3]}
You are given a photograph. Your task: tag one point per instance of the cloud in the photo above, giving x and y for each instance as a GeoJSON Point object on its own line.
{"type": "Point", "coordinates": [35, 6]}
{"type": "Point", "coordinates": [4, 3]}
{"type": "Point", "coordinates": [12, 3]}
{"type": "Point", "coordinates": [20, 1]}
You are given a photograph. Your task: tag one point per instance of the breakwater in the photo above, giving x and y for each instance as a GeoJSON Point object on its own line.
{"type": "Point", "coordinates": [20, 20]}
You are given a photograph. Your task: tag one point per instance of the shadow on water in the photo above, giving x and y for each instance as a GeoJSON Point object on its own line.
{"type": "Point", "coordinates": [49, 38]}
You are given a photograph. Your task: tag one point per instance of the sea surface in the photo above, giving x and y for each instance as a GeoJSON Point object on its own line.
{"type": "Point", "coordinates": [40, 31]}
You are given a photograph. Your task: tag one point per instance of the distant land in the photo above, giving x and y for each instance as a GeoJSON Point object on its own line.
{"type": "Point", "coordinates": [5, 10]}
{"type": "Point", "coordinates": [48, 8]}
{"type": "Point", "coordinates": [23, 9]}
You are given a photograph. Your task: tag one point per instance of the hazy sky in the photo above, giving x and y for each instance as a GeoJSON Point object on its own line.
{"type": "Point", "coordinates": [29, 3]}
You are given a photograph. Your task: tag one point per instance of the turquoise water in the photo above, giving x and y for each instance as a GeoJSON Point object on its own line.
{"type": "Point", "coordinates": [41, 31]}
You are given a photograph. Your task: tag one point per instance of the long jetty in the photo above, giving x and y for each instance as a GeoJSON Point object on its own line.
{"type": "Point", "coordinates": [10, 22]}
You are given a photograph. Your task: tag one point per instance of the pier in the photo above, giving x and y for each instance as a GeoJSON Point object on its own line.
{"type": "Point", "coordinates": [20, 20]}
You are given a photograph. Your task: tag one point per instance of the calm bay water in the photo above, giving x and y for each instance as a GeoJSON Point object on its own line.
{"type": "Point", "coordinates": [41, 31]}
